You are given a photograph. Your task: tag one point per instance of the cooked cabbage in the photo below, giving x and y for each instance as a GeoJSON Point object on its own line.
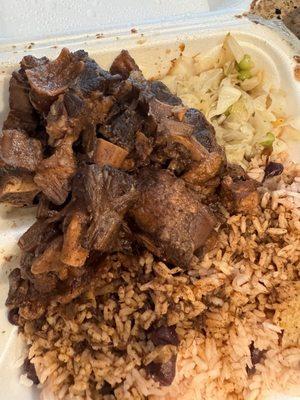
{"type": "Point", "coordinates": [243, 112]}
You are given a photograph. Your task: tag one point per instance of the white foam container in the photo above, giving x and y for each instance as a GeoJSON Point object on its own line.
{"type": "Point", "coordinates": [162, 26]}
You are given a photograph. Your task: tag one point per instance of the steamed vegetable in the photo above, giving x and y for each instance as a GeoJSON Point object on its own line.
{"type": "Point", "coordinates": [247, 112]}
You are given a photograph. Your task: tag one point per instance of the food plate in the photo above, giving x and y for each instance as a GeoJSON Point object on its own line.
{"type": "Point", "coordinates": [153, 47]}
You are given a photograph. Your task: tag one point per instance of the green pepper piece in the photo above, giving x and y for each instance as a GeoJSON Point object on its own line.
{"type": "Point", "coordinates": [268, 142]}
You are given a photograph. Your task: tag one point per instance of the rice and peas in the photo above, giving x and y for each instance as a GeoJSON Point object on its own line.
{"type": "Point", "coordinates": [237, 310]}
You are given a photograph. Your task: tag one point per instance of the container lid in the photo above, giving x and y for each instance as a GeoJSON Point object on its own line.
{"type": "Point", "coordinates": [42, 19]}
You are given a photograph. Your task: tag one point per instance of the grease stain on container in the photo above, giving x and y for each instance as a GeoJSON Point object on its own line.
{"type": "Point", "coordinates": [181, 47]}
{"type": "Point", "coordinates": [297, 68]}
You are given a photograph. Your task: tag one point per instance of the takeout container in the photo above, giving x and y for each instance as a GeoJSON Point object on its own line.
{"type": "Point", "coordinates": [155, 33]}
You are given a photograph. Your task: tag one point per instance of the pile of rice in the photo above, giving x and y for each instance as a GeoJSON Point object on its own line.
{"type": "Point", "coordinates": [244, 294]}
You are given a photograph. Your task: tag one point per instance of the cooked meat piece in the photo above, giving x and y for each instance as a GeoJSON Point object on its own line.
{"type": "Point", "coordinates": [93, 111]}
{"type": "Point", "coordinates": [42, 285]}
{"type": "Point", "coordinates": [32, 310]}
{"type": "Point", "coordinates": [13, 316]}
{"type": "Point", "coordinates": [164, 335]}
{"type": "Point", "coordinates": [49, 259]}
{"type": "Point", "coordinates": [72, 252]}
{"type": "Point", "coordinates": [208, 189]}
{"type": "Point", "coordinates": [175, 129]}
{"type": "Point", "coordinates": [84, 103]}
{"type": "Point", "coordinates": [88, 140]}
{"type": "Point", "coordinates": [107, 153]}
{"type": "Point", "coordinates": [54, 174]}
{"type": "Point", "coordinates": [108, 195]}
{"type": "Point", "coordinates": [123, 65]}
{"type": "Point", "coordinates": [159, 111]}
{"type": "Point", "coordinates": [48, 80]}
{"type": "Point", "coordinates": [73, 286]}
{"type": "Point", "coordinates": [41, 231]}
{"type": "Point", "coordinates": [205, 170]}
{"type": "Point", "coordinates": [236, 172]}
{"type": "Point", "coordinates": [196, 150]}
{"type": "Point", "coordinates": [22, 115]}
{"type": "Point", "coordinates": [29, 62]}
{"type": "Point", "coordinates": [93, 77]}
{"type": "Point", "coordinates": [143, 148]}
{"type": "Point", "coordinates": [163, 94]}
{"type": "Point", "coordinates": [18, 289]}
{"type": "Point", "coordinates": [123, 128]}
{"type": "Point", "coordinates": [17, 188]}
{"type": "Point", "coordinates": [22, 294]}
{"type": "Point", "coordinates": [203, 131]}
{"type": "Point", "coordinates": [164, 373]}
{"type": "Point", "coordinates": [239, 196]}
{"type": "Point", "coordinates": [18, 150]}
{"type": "Point", "coordinates": [73, 104]}
{"type": "Point", "coordinates": [45, 208]}
{"type": "Point", "coordinates": [172, 215]}
{"type": "Point", "coordinates": [46, 283]}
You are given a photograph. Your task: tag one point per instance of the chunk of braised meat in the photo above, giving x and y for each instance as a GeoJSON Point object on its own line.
{"type": "Point", "coordinates": [48, 260]}
{"type": "Point", "coordinates": [203, 131]}
{"type": "Point", "coordinates": [32, 310]}
{"type": "Point", "coordinates": [54, 174]}
{"type": "Point", "coordinates": [236, 172]}
{"type": "Point", "coordinates": [143, 148]}
{"type": "Point", "coordinates": [163, 94]}
{"type": "Point", "coordinates": [22, 115]}
{"type": "Point", "coordinates": [171, 216]}
{"type": "Point", "coordinates": [23, 297]}
{"type": "Point", "coordinates": [92, 78]}
{"type": "Point", "coordinates": [13, 316]}
{"type": "Point", "coordinates": [42, 284]}
{"type": "Point", "coordinates": [41, 231]}
{"type": "Point", "coordinates": [18, 289]}
{"type": "Point", "coordinates": [49, 79]}
{"type": "Point", "coordinates": [18, 150]}
{"type": "Point", "coordinates": [90, 111]}
{"type": "Point", "coordinates": [106, 153]}
{"type": "Point", "coordinates": [17, 187]}
{"type": "Point", "coordinates": [85, 103]}
{"type": "Point", "coordinates": [205, 170]}
{"type": "Point", "coordinates": [29, 62]}
{"type": "Point", "coordinates": [164, 373]}
{"type": "Point", "coordinates": [108, 194]}
{"type": "Point", "coordinates": [72, 252]}
{"type": "Point", "coordinates": [180, 130]}
{"type": "Point", "coordinates": [87, 278]}
{"type": "Point", "coordinates": [239, 196]}
{"type": "Point", "coordinates": [46, 209]}
{"type": "Point", "coordinates": [123, 128]}
{"type": "Point", "coordinates": [123, 64]}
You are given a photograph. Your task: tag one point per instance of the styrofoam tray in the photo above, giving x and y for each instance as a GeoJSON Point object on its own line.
{"type": "Point", "coordinates": [153, 47]}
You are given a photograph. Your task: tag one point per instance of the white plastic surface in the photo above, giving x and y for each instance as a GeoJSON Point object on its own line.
{"type": "Point", "coordinates": [36, 19]}
{"type": "Point", "coordinates": [153, 52]}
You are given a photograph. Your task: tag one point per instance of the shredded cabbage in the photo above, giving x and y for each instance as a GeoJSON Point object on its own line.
{"type": "Point", "coordinates": [242, 110]}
